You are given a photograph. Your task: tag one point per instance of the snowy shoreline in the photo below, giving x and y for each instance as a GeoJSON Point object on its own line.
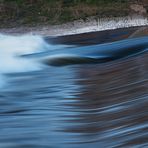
{"type": "Point", "coordinates": [80, 26]}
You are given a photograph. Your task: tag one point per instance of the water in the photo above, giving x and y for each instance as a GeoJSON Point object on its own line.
{"type": "Point", "coordinates": [89, 104]}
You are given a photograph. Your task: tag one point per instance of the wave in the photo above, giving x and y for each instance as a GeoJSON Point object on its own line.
{"type": "Point", "coordinates": [97, 53]}
{"type": "Point", "coordinates": [11, 47]}
{"type": "Point", "coordinates": [29, 52]}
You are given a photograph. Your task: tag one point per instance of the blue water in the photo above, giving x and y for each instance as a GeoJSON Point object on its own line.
{"type": "Point", "coordinates": [76, 104]}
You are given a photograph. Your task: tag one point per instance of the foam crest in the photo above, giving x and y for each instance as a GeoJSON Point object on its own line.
{"type": "Point", "coordinates": [11, 47]}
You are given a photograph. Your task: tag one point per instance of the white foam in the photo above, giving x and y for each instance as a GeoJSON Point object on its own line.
{"type": "Point", "coordinates": [11, 47]}
{"type": "Point", "coordinates": [92, 25]}
{"type": "Point", "coordinates": [106, 24]}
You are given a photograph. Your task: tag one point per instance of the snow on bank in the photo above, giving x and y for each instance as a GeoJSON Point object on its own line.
{"type": "Point", "coordinates": [80, 26]}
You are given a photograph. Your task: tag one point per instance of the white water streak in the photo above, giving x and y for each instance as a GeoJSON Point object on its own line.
{"type": "Point", "coordinates": [107, 24]}
{"type": "Point", "coordinates": [91, 25]}
{"type": "Point", "coordinates": [11, 47]}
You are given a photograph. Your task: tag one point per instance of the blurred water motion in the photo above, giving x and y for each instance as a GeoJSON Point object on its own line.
{"type": "Point", "coordinates": [91, 105]}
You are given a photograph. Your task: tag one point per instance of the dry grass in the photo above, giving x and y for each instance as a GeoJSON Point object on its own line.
{"type": "Point", "coordinates": [33, 12]}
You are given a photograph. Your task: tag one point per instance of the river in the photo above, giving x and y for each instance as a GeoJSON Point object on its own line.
{"type": "Point", "coordinates": [100, 105]}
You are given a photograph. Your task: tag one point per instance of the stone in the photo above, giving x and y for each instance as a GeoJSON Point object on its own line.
{"type": "Point", "coordinates": [138, 8]}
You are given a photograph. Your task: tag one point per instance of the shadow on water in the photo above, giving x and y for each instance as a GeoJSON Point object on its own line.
{"type": "Point", "coordinates": [111, 108]}
{"type": "Point", "coordinates": [91, 105]}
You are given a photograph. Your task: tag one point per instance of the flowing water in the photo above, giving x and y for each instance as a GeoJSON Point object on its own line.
{"type": "Point", "coordinates": [78, 102]}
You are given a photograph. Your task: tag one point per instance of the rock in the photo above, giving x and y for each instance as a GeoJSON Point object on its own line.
{"type": "Point", "coordinates": [138, 8]}
{"type": "Point", "coordinates": [142, 31]}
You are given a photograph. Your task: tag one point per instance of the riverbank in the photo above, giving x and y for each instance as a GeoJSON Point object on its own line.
{"type": "Point", "coordinates": [53, 12]}
{"type": "Point", "coordinates": [60, 17]}
{"type": "Point", "coordinates": [79, 26]}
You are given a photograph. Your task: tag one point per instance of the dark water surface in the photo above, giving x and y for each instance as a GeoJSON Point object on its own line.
{"type": "Point", "coordinates": [85, 105]}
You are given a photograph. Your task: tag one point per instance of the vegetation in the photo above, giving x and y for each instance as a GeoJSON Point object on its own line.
{"type": "Point", "coordinates": [36, 12]}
